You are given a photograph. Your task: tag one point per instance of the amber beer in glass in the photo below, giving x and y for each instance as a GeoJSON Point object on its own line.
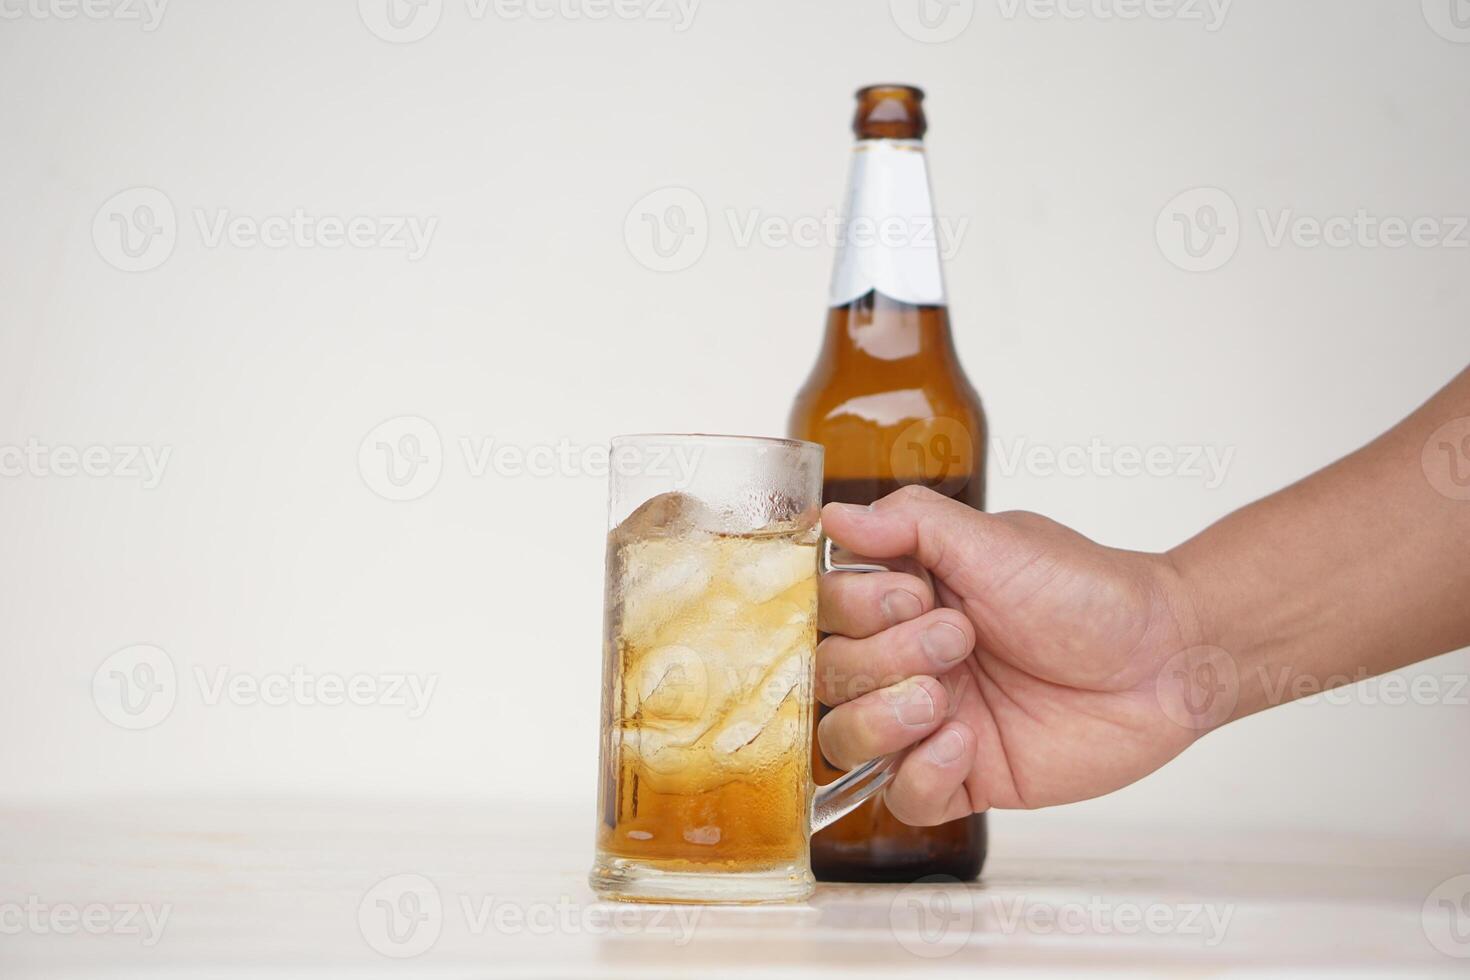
{"type": "Point", "coordinates": [891, 404]}
{"type": "Point", "coordinates": [706, 790]}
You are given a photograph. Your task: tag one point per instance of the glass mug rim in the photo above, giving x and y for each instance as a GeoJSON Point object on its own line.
{"type": "Point", "coordinates": [633, 437]}
{"type": "Point", "coordinates": [824, 803]}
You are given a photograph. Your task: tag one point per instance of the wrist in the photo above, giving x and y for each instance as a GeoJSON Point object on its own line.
{"type": "Point", "coordinates": [1213, 671]}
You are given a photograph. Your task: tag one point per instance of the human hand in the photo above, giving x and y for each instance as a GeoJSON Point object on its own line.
{"type": "Point", "coordinates": [1020, 665]}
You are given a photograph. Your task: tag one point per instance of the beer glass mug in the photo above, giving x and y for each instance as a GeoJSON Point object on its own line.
{"type": "Point", "coordinates": [705, 788]}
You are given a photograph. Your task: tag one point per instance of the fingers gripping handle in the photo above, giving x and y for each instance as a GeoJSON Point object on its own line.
{"type": "Point", "coordinates": [845, 794]}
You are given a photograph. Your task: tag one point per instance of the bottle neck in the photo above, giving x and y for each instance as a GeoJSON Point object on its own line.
{"type": "Point", "coordinates": [890, 240]}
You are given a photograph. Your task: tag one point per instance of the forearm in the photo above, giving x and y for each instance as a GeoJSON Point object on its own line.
{"type": "Point", "coordinates": [1358, 569]}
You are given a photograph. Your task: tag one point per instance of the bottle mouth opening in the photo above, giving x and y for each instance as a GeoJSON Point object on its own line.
{"type": "Point", "coordinates": [894, 88]}
{"type": "Point", "coordinates": [889, 111]}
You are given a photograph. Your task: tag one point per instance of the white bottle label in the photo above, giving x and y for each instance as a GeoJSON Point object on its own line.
{"type": "Point", "coordinates": [889, 240]}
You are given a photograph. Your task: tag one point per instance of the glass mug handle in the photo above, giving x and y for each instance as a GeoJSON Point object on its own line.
{"type": "Point", "coordinates": [852, 789]}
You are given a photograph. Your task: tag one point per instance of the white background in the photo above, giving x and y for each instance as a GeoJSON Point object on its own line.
{"type": "Point", "coordinates": [531, 321]}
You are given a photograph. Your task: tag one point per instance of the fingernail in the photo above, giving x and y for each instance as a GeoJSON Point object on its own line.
{"type": "Point", "coordinates": [915, 706]}
{"type": "Point", "coordinates": [900, 606]}
{"type": "Point", "coordinates": [944, 643]}
{"type": "Point", "coordinates": [852, 509]}
{"type": "Point", "coordinates": [946, 747]}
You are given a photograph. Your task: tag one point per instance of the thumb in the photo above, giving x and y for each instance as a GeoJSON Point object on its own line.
{"type": "Point", "coordinates": [912, 521]}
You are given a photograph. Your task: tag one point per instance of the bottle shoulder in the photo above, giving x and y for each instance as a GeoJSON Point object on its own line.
{"type": "Point", "coordinates": [931, 430]}
{"type": "Point", "coordinates": [884, 364]}
{"type": "Point", "coordinates": [887, 400]}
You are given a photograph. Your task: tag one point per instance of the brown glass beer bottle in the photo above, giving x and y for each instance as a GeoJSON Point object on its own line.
{"type": "Point", "coordinates": [889, 401]}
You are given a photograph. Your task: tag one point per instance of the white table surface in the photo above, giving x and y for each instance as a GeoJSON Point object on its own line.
{"type": "Point", "coordinates": [284, 889]}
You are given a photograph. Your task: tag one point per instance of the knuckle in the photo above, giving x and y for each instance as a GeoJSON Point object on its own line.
{"type": "Point", "coordinates": [1026, 520]}
{"type": "Point", "coordinates": [914, 493]}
